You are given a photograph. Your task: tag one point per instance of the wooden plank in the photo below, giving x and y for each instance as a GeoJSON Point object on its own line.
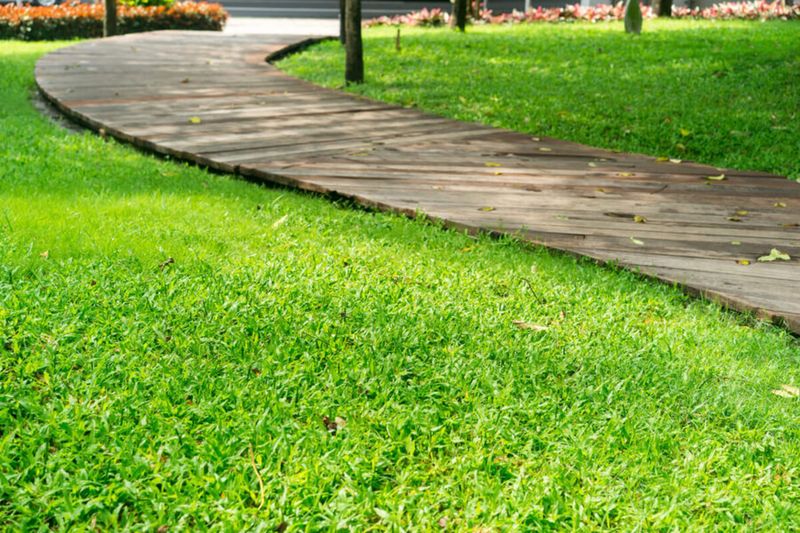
{"type": "Point", "coordinates": [259, 122]}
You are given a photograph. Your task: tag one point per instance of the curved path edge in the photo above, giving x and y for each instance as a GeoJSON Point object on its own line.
{"type": "Point", "coordinates": [212, 99]}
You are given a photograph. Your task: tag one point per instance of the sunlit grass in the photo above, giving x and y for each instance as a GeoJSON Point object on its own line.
{"type": "Point", "coordinates": [723, 93]}
{"type": "Point", "coordinates": [158, 322]}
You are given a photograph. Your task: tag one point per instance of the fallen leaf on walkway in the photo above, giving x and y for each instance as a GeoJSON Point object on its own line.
{"type": "Point", "coordinates": [742, 212]}
{"type": "Point", "coordinates": [185, 80]}
{"type": "Point", "coordinates": [774, 255]}
{"type": "Point", "coordinates": [639, 219]}
{"type": "Point", "coordinates": [625, 174]}
{"type": "Point", "coordinates": [662, 159]}
{"type": "Point", "coordinates": [637, 242]}
{"type": "Point", "coordinates": [734, 219]}
{"type": "Point", "coordinates": [521, 324]}
{"type": "Point", "coordinates": [543, 149]}
{"type": "Point", "coordinates": [490, 164]}
{"type": "Point", "coordinates": [498, 173]}
{"type": "Point", "coordinates": [536, 139]}
{"type": "Point", "coordinates": [486, 209]}
{"type": "Point", "coordinates": [716, 178]}
{"type": "Point", "coordinates": [736, 243]}
{"type": "Point", "coordinates": [676, 161]}
{"type": "Point", "coordinates": [744, 262]}
{"type": "Point", "coordinates": [779, 204]}
{"type": "Point", "coordinates": [195, 120]}
{"type": "Point", "coordinates": [787, 391]}
{"type": "Point", "coordinates": [592, 165]}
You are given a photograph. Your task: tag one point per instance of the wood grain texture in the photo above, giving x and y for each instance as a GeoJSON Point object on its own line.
{"type": "Point", "coordinates": [212, 99]}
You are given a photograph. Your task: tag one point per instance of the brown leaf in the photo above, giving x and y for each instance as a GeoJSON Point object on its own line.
{"type": "Point", "coordinates": [164, 265]}
{"type": "Point", "coordinates": [521, 324]}
{"type": "Point", "coordinates": [791, 389]}
{"type": "Point", "coordinates": [333, 425]}
{"type": "Point", "coordinates": [784, 393]}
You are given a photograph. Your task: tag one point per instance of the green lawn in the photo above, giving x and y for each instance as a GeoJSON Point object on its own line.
{"type": "Point", "coordinates": [133, 388]}
{"type": "Point", "coordinates": [724, 93]}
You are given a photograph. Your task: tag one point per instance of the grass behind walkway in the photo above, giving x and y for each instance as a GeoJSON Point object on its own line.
{"type": "Point", "coordinates": [133, 388]}
{"type": "Point", "coordinates": [723, 93]}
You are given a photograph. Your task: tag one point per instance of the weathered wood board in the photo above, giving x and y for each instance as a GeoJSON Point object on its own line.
{"type": "Point", "coordinates": [212, 99]}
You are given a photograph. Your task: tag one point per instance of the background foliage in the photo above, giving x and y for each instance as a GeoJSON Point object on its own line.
{"type": "Point", "coordinates": [78, 20]}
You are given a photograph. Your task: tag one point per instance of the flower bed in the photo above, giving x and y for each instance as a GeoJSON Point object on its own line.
{"type": "Point", "coordinates": [602, 12]}
{"type": "Point", "coordinates": [76, 20]}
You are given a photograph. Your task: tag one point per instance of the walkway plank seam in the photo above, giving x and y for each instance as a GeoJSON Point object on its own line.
{"type": "Point", "coordinates": [150, 89]}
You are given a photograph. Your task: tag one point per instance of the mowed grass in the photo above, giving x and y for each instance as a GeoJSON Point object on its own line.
{"type": "Point", "coordinates": [723, 93]}
{"type": "Point", "coordinates": [139, 391]}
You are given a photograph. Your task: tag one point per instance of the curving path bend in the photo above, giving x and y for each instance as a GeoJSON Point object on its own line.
{"type": "Point", "coordinates": [150, 89]}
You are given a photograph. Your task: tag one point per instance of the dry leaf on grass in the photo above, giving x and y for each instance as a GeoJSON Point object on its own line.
{"type": "Point", "coordinates": [787, 391]}
{"type": "Point", "coordinates": [521, 324]}
{"type": "Point", "coordinates": [281, 221]}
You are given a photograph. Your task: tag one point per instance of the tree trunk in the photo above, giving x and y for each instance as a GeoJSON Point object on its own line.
{"type": "Point", "coordinates": [110, 18]}
{"type": "Point", "coordinates": [342, 19]}
{"type": "Point", "coordinates": [458, 18]}
{"type": "Point", "coordinates": [354, 67]}
{"type": "Point", "coordinates": [665, 8]}
{"type": "Point", "coordinates": [633, 17]}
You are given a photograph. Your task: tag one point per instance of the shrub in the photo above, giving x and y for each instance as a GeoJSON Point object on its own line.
{"type": "Point", "coordinates": [725, 11]}
{"type": "Point", "coordinates": [71, 21]}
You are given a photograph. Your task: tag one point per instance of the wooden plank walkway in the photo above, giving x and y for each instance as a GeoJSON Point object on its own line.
{"type": "Point", "coordinates": [256, 121]}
